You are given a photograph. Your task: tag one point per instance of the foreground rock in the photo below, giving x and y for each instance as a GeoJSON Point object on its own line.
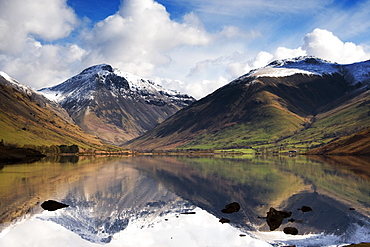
{"type": "Point", "coordinates": [52, 205]}
{"type": "Point", "coordinates": [224, 220]}
{"type": "Point", "coordinates": [305, 209]}
{"type": "Point", "coordinates": [275, 218]}
{"type": "Point", "coordinates": [290, 230]}
{"type": "Point", "coordinates": [231, 208]}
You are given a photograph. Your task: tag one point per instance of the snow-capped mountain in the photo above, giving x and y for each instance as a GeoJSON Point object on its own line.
{"type": "Point", "coordinates": [306, 98]}
{"type": "Point", "coordinates": [114, 105]}
{"type": "Point", "coordinates": [308, 65]}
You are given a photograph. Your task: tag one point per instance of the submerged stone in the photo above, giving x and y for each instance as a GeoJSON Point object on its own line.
{"type": "Point", "coordinates": [231, 208]}
{"type": "Point", "coordinates": [305, 209]}
{"type": "Point", "coordinates": [223, 220]}
{"type": "Point", "coordinates": [290, 230]}
{"type": "Point", "coordinates": [275, 218]}
{"type": "Point", "coordinates": [52, 205]}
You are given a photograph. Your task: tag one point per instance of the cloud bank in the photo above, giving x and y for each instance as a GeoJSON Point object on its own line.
{"type": "Point", "coordinates": [43, 48]}
{"type": "Point", "coordinates": [320, 43]}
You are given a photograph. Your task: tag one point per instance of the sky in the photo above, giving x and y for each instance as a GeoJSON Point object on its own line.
{"type": "Point", "coordinates": [193, 46]}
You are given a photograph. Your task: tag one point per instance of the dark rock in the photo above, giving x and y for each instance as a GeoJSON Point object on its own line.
{"type": "Point", "coordinates": [352, 209]}
{"type": "Point", "coordinates": [305, 209]}
{"type": "Point", "coordinates": [275, 218]}
{"type": "Point", "coordinates": [242, 235]}
{"type": "Point", "coordinates": [231, 208]}
{"type": "Point", "coordinates": [51, 205]}
{"type": "Point", "coordinates": [188, 213]}
{"type": "Point", "coordinates": [290, 230]}
{"type": "Point", "coordinates": [223, 220]}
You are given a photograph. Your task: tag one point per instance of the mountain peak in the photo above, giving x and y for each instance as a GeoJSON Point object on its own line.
{"type": "Point", "coordinates": [356, 73]}
{"type": "Point", "coordinates": [114, 105]}
{"type": "Point", "coordinates": [300, 65]}
{"type": "Point", "coordinates": [98, 68]}
{"type": "Point", "coordinates": [302, 60]}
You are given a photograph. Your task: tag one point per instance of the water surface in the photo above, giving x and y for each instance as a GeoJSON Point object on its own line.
{"type": "Point", "coordinates": [177, 201]}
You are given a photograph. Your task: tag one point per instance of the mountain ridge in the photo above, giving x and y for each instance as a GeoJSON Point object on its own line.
{"type": "Point", "coordinates": [269, 105]}
{"type": "Point", "coordinates": [114, 105]}
{"type": "Point", "coordinates": [28, 118]}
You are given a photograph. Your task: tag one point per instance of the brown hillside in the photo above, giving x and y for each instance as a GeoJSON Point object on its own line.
{"type": "Point", "coordinates": [356, 144]}
{"type": "Point", "coordinates": [245, 113]}
{"type": "Point", "coordinates": [27, 118]}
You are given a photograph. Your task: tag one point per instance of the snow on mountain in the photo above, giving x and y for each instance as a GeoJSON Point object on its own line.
{"type": "Point", "coordinates": [308, 65]}
{"type": "Point", "coordinates": [359, 72]}
{"type": "Point", "coordinates": [115, 106]}
{"type": "Point", "coordinates": [299, 65]}
{"type": "Point", "coordinates": [83, 85]}
{"type": "Point", "coordinates": [16, 85]}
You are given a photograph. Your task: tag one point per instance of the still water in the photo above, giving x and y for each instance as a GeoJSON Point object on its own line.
{"type": "Point", "coordinates": [177, 201]}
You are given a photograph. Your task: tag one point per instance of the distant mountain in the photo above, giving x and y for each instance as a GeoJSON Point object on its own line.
{"type": "Point", "coordinates": [28, 118]}
{"type": "Point", "coordinates": [114, 105]}
{"type": "Point", "coordinates": [304, 101]}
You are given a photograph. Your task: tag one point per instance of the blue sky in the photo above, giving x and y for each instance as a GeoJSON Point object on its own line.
{"type": "Point", "coordinates": [194, 46]}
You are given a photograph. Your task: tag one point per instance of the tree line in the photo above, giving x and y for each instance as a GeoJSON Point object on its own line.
{"type": "Point", "coordinates": [53, 149]}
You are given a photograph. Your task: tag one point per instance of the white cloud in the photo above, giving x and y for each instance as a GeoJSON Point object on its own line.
{"type": "Point", "coordinates": [283, 53]}
{"type": "Point", "coordinates": [141, 38]}
{"type": "Point", "coordinates": [252, 7]}
{"type": "Point", "coordinates": [43, 65]}
{"type": "Point", "coordinates": [326, 45]}
{"type": "Point", "coordinates": [233, 32]}
{"type": "Point", "coordinates": [24, 26]}
{"type": "Point", "coordinates": [138, 37]}
{"type": "Point", "coordinates": [135, 39]}
{"type": "Point", "coordinates": [320, 43]}
{"type": "Point", "coordinates": [20, 20]}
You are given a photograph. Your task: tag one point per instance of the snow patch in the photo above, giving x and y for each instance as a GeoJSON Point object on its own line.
{"type": "Point", "coordinates": [360, 72]}
{"type": "Point", "coordinates": [300, 65]}
{"type": "Point", "coordinates": [82, 87]}
{"type": "Point", "coordinates": [280, 72]}
{"type": "Point", "coordinates": [53, 95]}
{"type": "Point", "coordinates": [15, 84]}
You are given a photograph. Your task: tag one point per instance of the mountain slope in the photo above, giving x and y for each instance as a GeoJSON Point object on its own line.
{"type": "Point", "coordinates": [28, 118]}
{"type": "Point", "coordinates": [285, 99]}
{"type": "Point", "coordinates": [356, 144]}
{"type": "Point", "coordinates": [114, 105]}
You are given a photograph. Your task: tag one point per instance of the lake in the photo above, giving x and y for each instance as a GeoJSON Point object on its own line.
{"type": "Point", "coordinates": [177, 201]}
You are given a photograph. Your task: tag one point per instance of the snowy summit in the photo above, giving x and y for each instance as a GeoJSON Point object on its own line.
{"type": "Point", "coordinates": [83, 86]}
{"type": "Point", "coordinates": [308, 65]}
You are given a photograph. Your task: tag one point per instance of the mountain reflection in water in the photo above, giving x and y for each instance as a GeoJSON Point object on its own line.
{"type": "Point", "coordinates": [115, 201]}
